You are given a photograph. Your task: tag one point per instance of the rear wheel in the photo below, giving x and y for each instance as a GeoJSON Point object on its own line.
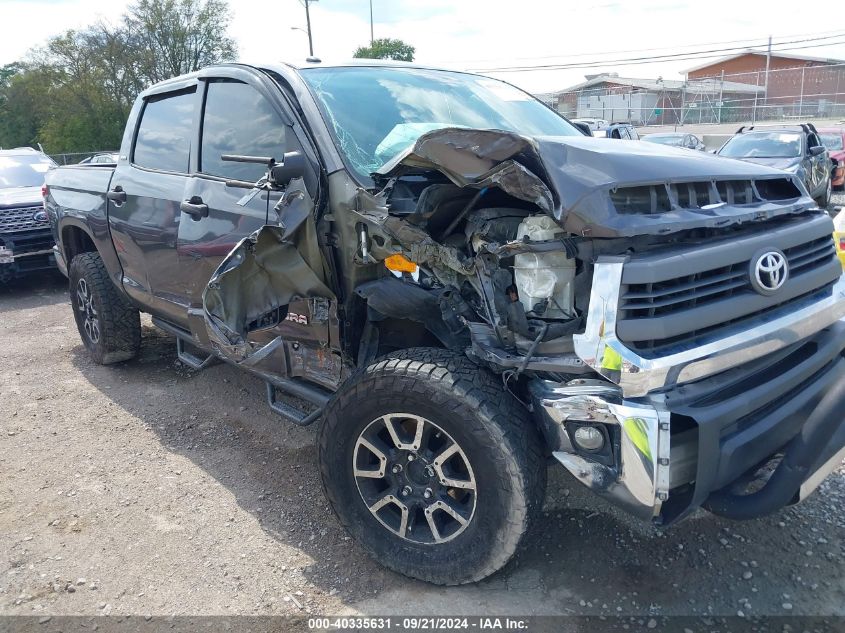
{"type": "Point", "coordinates": [109, 325]}
{"type": "Point", "coordinates": [432, 466]}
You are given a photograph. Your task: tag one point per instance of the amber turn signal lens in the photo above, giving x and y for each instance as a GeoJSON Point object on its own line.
{"type": "Point", "coordinates": [400, 264]}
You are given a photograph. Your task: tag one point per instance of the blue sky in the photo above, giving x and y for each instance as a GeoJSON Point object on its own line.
{"type": "Point", "coordinates": [473, 34]}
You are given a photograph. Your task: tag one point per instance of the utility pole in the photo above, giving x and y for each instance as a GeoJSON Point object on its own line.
{"type": "Point", "coordinates": [308, 25]}
{"type": "Point", "coordinates": [372, 39]}
{"type": "Point", "coordinates": [768, 63]}
{"type": "Point", "coordinates": [754, 107]}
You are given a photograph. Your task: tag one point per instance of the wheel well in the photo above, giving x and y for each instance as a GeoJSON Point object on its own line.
{"type": "Point", "coordinates": [76, 241]}
{"type": "Point", "coordinates": [396, 334]}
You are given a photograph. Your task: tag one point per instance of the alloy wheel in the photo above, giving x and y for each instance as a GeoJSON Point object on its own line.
{"type": "Point", "coordinates": [85, 305]}
{"type": "Point", "coordinates": [414, 478]}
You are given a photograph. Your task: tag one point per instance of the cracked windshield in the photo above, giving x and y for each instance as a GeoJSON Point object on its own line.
{"type": "Point", "coordinates": [376, 113]}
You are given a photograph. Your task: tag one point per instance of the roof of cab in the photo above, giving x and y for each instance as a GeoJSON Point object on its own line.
{"type": "Point", "coordinates": [285, 68]}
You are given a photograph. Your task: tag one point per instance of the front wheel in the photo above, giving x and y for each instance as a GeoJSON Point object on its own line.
{"type": "Point", "coordinates": [432, 466]}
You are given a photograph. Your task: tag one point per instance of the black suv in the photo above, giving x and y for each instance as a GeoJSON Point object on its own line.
{"type": "Point", "coordinates": [26, 243]}
{"type": "Point", "coordinates": [793, 148]}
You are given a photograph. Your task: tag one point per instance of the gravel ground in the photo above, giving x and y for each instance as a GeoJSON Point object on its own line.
{"type": "Point", "coordinates": [149, 489]}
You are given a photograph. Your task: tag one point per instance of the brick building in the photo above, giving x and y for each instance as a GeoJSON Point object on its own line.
{"type": "Point", "coordinates": [797, 85]}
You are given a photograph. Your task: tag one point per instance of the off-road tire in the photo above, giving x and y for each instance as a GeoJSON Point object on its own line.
{"type": "Point", "coordinates": [501, 442]}
{"type": "Point", "coordinates": [119, 323]}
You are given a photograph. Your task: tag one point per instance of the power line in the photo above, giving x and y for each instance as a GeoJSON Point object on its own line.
{"type": "Point", "coordinates": [656, 58]}
{"type": "Point", "coordinates": [704, 54]}
{"type": "Point", "coordinates": [742, 42]}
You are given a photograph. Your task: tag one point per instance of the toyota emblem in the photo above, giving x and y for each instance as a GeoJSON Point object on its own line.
{"type": "Point", "coordinates": [769, 271]}
{"type": "Point", "coordinates": [39, 216]}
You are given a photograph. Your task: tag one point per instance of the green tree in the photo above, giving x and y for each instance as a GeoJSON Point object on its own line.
{"type": "Point", "coordinates": [173, 37]}
{"type": "Point", "coordinates": [23, 94]}
{"type": "Point", "coordinates": [387, 48]}
{"type": "Point", "coordinates": [74, 93]}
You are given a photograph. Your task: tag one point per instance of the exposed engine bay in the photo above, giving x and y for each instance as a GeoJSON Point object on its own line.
{"type": "Point", "coordinates": [471, 226]}
{"type": "Point", "coordinates": [493, 268]}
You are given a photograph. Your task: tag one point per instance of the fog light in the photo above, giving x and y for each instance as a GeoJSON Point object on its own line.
{"type": "Point", "coordinates": [589, 438]}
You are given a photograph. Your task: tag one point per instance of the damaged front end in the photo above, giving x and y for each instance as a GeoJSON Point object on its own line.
{"type": "Point", "coordinates": [506, 247]}
{"type": "Point", "coordinates": [602, 292]}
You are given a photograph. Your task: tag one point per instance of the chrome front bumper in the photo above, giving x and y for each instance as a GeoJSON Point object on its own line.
{"type": "Point", "coordinates": [638, 376]}
{"type": "Point", "coordinates": [638, 478]}
{"type": "Point", "coordinates": [647, 461]}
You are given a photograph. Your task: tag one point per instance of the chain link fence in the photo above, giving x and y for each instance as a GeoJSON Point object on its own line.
{"type": "Point", "coordinates": [808, 92]}
{"type": "Point", "coordinates": [73, 158]}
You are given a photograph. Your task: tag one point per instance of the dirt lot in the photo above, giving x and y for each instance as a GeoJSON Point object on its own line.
{"type": "Point", "coordinates": [146, 488]}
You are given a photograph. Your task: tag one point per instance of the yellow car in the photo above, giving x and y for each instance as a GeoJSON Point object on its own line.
{"type": "Point", "coordinates": [839, 235]}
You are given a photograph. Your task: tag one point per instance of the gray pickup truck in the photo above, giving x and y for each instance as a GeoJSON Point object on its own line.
{"type": "Point", "coordinates": [460, 286]}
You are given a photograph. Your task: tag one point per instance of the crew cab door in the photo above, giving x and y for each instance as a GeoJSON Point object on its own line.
{"type": "Point", "coordinates": [272, 296]}
{"type": "Point", "coordinates": [144, 197]}
{"type": "Point", "coordinates": [236, 118]}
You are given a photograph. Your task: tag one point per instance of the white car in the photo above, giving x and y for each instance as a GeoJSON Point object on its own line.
{"type": "Point", "coordinates": [594, 124]}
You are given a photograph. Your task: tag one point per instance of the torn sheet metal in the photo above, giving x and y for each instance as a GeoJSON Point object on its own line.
{"type": "Point", "coordinates": [477, 158]}
{"type": "Point", "coordinates": [261, 275]}
{"type": "Point", "coordinates": [572, 177]}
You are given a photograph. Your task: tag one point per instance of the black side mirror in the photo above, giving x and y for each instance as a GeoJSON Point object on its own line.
{"type": "Point", "coordinates": [584, 127]}
{"type": "Point", "coordinates": [817, 150]}
{"type": "Point", "coordinates": [292, 166]}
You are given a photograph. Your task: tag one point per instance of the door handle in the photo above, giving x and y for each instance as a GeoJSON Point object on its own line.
{"type": "Point", "coordinates": [117, 195]}
{"type": "Point", "coordinates": [194, 207]}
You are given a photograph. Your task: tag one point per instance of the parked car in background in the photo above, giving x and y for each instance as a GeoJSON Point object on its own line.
{"type": "Point", "coordinates": [833, 138]}
{"type": "Point", "coordinates": [26, 243]}
{"type": "Point", "coordinates": [675, 139]}
{"type": "Point", "coordinates": [104, 158]}
{"type": "Point", "coordinates": [621, 130]}
{"type": "Point", "coordinates": [593, 124]}
{"type": "Point", "coordinates": [793, 148]}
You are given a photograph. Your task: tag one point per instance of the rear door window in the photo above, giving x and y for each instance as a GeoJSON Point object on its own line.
{"type": "Point", "coordinates": [164, 134]}
{"type": "Point", "coordinates": [238, 120]}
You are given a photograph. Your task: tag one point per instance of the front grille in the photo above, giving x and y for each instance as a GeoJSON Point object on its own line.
{"type": "Point", "coordinates": [21, 219]}
{"type": "Point", "coordinates": [711, 286]}
{"type": "Point", "coordinates": [696, 195]}
{"type": "Point", "coordinates": [683, 300]}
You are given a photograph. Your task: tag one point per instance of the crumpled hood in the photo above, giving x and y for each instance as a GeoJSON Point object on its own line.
{"type": "Point", "coordinates": [572, 177]}
{"type": "Point", "coordinates": [20, 196]}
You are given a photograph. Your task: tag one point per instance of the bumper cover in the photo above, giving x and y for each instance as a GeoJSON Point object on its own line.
{"type": "Point", "coordinates": [672, 452]}
{"type": "Point", "coordinates": [31, 251]}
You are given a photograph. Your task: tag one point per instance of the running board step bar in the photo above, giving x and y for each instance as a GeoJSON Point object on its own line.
{"type": "Point", "coordinates": [297, 389]}
{"type": "Point", "coordinates": [194, 362]}
{"type": "Point", "coordinates": [311, 394]}
{"type": "Point", "coordinates": [183, 336]}
{"type": "Point", "coordinates": [289, 412]}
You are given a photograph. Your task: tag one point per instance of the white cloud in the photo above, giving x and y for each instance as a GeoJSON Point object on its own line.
{"type": "Point", "coordinates": [25, 24]}
{"type": "Point", "coordinates": [467, 34]}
